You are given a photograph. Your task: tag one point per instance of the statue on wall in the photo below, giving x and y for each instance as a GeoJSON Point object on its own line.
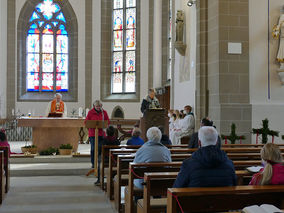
{"type": "Point", "coordinates": [278, 32]}
{"type": "Point", "coordinates": [179, 25]}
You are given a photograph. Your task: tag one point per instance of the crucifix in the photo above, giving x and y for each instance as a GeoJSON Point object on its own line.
{"type": "Point", "coordinates": [264, 131]}
{"type": "Point", "coordinates": [233, 136]}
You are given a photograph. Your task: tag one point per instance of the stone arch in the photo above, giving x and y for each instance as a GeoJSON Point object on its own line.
{"type": "Point", "coordinates": [117, 113]}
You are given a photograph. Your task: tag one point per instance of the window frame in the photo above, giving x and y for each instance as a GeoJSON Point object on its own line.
{"type": "Point", "coordinates": [71, 26]}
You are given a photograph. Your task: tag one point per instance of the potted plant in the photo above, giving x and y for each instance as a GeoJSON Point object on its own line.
{"type": "Point", "coordinates": [49, 151]}
{"type": "Point", "coordinates": [29, 148]}
{"type": "Point", "coordinates": [65, 149]}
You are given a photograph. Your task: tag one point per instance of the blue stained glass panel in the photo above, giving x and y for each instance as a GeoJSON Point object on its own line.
{"type": "Point", "coordinates": [33, 43]}
{"type": "Point", "coordinates": [32, 62]}
{"type": "Point", "coordinates": [61, 17]}
{"type": "Point", "coordinates": [130, 40]}
{"type": "Point", "coordinates": [40, 23]}
{"type": "Point", "coordinates": [62, 44]}
{"type": "Point", "coordinates": [130, 3]}
{"type": "Point", "coordinates": [47, 29]}
{"type": "Point", "coordinates": [62, 82]}
{"type": "Point", "coordinates": [34, 16]}
{"type": "Point", "coordinates": [130, 82]}
{"type": "Point", "coordinates": [117, 4]}
{"type": "Point", "coordinates": [47, 8]}
{"type": "Point", "coordinates": [117, 82]}
{"type": "Point", "coordinates": [118, 19]}
{"type": "Point", "coordinates": [130, 61]}
{"type": "Point", "coordinates": [32, 82]}
{"type": "Point", "coordinates": [47, 82]}
{"type": "Point", "coordinates": [61, 63]}
{"type": "Point", "coordinates": [47, 63]}
{"type": "Point", "coordinates": [62, 30]}
{"type": "Point", "coordinates": [131, 18]}
{"type": "Point", "coordinates": [117, 62]}
{"type": "Point", "coordinates": [54, 23]}
{"type": "Point", "coordinates": [47, 43]}
{"type": "Point", "coordinates": [117, 40]}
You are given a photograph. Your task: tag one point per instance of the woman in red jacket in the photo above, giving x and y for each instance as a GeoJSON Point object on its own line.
{"type": "Point", "coordinates": [97, 113]}
{"type": "Point", "coordinates": [273, 171]}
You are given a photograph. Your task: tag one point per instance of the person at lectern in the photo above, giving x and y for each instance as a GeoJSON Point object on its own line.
{"type": "Point", "coordinates": [97, 113]}
{"type": "Point", "coordinates": [150, 101]}
{"type": "Point", "coordinates": [57, 105]}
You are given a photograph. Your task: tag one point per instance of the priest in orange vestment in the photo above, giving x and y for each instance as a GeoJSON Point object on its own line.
{"type": "Point", "coordinates": [57, 105]}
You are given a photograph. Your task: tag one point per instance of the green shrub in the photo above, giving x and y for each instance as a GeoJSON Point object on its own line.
{"type": "Point", "coordinates": [49, 151]}
{"type": "Point", "coordinates": [66, 146]}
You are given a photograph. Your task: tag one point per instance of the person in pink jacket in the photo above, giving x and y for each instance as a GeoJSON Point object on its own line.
{"type": "Point", "coordinates": [4, 142]}
{"type": "Point", "coordinates": [273, 171]}
{"type": "Point", "coordinates": [97, 113]}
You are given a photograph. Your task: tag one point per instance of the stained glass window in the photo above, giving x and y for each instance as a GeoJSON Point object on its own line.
{"type": "Point", "coordinates": [47, 49]}
{"type": "Point", "coordinates": [124, 46]}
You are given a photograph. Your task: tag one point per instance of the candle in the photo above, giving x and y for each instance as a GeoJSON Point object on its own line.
{"type": "Point", "coordinates": [87, 111]}
{"type": "Point", "coordinates": [80, 111]}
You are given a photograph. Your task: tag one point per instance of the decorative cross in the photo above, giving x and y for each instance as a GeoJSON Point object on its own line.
{"type": "Point", "coordinates": [48, 8]}
{"type": "Point", "coordinates": [233, 136]}
{"type": "Point", "coordinates": [265, 131]}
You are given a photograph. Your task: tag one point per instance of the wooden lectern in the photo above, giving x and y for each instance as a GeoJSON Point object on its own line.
{"type": "Point", "coordinates": [96, 124]}
{"type": "Point", "coordinates": [154, 117]}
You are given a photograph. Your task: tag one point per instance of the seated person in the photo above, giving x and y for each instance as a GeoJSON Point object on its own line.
{"type": "Point", "coordinates": [273, 171]}
{"type": "Point", "coordinates": [165, 139]}
{"type": "Point", "coordinates": [135, 140]}
{"type": "Point", "coordinates": [152, 151]}
{"type": "Point", "coordinates": [193, 142]}
{"type": "Point", "coordinates": [4, 142]}
{"type": "Point", "coordinates": [111, 138]}
{"type": "Point", "coordinates": [209, 166]}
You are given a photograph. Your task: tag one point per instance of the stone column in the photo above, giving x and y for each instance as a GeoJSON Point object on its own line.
{"type": "Point", "coordinates": [3, 57]}
{"type": "Point", "coordinates": [223, 78]}
{"type": "Point", "coordinates": [157, 44]}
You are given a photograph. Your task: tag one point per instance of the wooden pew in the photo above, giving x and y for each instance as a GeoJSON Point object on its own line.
{"type": "Point", "coordinates": [138, 169]}
{"type": "Point", "coordinates": [6, 167]}
{"type": "Point", "coordinates": [156, 184]}
{"type": "Point", "coordinates": [217, 199]}
{"type": "Point", "coordinates": [2, 177]}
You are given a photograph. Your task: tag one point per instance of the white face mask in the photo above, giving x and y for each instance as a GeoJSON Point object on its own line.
{"type": "Point", "coordinates": [185, 112]}
{"type": "Point", "coordinates": [169, 115]}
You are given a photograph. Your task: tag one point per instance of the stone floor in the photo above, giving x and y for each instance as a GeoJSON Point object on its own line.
{"type": "Point", "coordinates": [55, 194]}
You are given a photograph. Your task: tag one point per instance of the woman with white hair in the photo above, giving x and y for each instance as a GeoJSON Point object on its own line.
{"type": "Point", "coordinates": [57, 106]}
{"type": "Point", "coordinates": [152, 151]}
{"type": "Point", "coordinates": [97, 113]}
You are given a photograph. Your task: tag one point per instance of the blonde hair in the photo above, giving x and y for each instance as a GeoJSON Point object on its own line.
{"type": "Point", "coordinates": [271, 154]}
{"type": "Point", "coordinates": [177, 114]}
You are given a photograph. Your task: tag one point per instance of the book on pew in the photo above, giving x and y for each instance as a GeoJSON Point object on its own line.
{"type": "Point", "coordinates": [264, 208]}
{"type": "Point", "coordinates": [254, 169]}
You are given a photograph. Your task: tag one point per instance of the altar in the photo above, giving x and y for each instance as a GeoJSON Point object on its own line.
{"type": "Point", "coordinates": [52, 132]}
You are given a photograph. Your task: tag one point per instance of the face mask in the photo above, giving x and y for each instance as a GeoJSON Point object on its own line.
{"type": "Point", "coordinates": [169, 115]}
{"type": "Point", "coordinates": [185, 112]}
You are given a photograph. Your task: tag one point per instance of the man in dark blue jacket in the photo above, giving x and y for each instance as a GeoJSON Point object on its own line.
{"type": "Point", "coordinates": [209, 166]}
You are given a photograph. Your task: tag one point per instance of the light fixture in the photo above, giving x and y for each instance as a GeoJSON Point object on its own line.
{"type": "Point", "coordinates": [190, 3]}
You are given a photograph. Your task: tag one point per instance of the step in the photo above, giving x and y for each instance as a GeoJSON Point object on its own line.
{"type": "Point", "coordinates": [49, 169]}
{"type": "Point", "coordinates": [20, 159]}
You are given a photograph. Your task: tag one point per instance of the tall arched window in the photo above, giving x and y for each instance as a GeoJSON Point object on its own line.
{"type": "Point", "coordinates": [124, 47]}
{"type": "Point", "coordinates": [47, 49]}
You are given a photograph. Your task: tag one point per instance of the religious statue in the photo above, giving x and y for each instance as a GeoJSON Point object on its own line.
{"type": "Point", "coordinates": [278, 32]}
{"type": "Point", "coordinates": [179, 26]}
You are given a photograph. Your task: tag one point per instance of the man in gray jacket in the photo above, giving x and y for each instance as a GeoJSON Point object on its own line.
{"type": "Point", "coordinates": [152, 151]}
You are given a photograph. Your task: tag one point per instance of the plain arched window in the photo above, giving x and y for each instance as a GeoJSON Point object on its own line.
{"type": "Point", "coordinates": [47, 56]}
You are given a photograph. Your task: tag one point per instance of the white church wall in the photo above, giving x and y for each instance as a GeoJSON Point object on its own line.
{"type": "Point", "coordinates": [263, 106]}
{"type": "Point", "coordinates": [185, 66]}
{"type": "Point", "coordinates": [38, 108]}
{"type": "Point", "coordinates": [3, 57]}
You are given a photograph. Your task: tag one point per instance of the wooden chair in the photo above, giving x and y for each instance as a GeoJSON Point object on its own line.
{"type": "Point", "coordinates": [6, 167]}
{"type": "Point", "coordinates": [218, 199]}
{"type": "Point", "coordinates": [2, 177]}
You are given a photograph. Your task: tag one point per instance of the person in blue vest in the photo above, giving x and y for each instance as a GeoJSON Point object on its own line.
{"type": "Point", "coordinates": [136, 139]}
